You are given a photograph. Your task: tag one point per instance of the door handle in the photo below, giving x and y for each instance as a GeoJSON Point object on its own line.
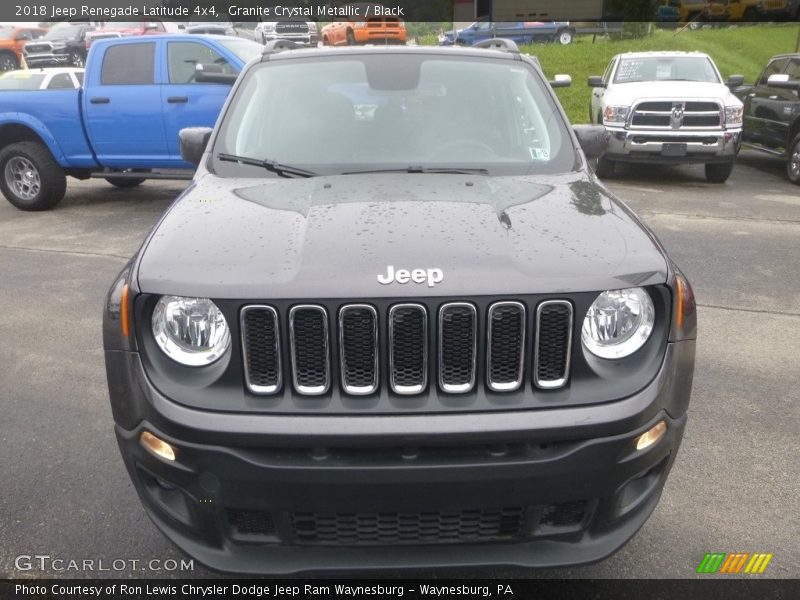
{"type": "Point", "coordinates": [178, 99]}
{"type": "Point", "coordinates": [99, 100]}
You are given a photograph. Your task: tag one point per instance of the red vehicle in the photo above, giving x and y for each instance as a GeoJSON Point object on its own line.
{"type": "Point", "coordinates": [116, 29]}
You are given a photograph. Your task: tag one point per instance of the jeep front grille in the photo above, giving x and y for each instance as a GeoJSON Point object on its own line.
{"type": "Point", "coordinates": [658, 115]}
{"type": "Point", "coordinates": [407, 346]}
{"type": "Point", "coordinates": [310, 349]}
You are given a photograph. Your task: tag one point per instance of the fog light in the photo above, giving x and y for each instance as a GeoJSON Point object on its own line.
{"type": "Point", "coordinates": [651, 436]}
{"type": "Point", "coordinates": [158, 447]}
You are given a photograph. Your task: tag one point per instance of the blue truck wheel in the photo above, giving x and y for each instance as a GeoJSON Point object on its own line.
{"type": "Point", "coordinates": [30, 178]}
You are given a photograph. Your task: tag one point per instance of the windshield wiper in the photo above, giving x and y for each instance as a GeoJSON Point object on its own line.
{"type": "Point", "coordinates": [425, 170]}
{"type": "Point", "coordinates": [270, 165]}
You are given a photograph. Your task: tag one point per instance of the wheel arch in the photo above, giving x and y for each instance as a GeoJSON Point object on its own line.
{"type": "Point", "coordinates": [24, 128]}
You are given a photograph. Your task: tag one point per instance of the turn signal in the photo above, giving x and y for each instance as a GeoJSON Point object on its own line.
{"type": "Point", "coordinates": [651, 436]}
{"type": "Point", "coordinates": [157, 446]}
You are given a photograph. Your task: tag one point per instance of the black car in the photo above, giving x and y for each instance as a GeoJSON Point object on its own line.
{"type": "Point", "coordinates": [64, 44]}
{"type": "Point", "coordinates": [396, 321]}
{"type": "Point", "coordinates": [772, 111]}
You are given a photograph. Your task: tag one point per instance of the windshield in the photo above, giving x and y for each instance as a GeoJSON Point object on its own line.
{"type": "Point", "coordinates": [246, 50]}
{"type": "Point", "coordinates": [395, 111]}
{"type": "Point", "coordinates": [123, 25]}
{"type": "Point", "coordinates": [21, 80]}
{"type": "Point", "coordinates": [666, 68]}
{"type": "Point", "coordinates": [6, 34]}
{"type": "Point", "coordinates": [63, 31]}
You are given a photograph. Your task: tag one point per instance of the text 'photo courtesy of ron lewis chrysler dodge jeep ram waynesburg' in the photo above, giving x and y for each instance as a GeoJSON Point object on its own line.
{"type": "Point", "coordinates": [396, 321]}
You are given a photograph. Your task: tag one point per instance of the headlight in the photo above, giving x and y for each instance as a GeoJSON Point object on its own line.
{"type": "Point", "coordinates": [269, 26]}
{"type": "Point", "coordinates": [59, 45]}
{"type": "Point", "coordinates": [616, 114]}
{"type": "Point", "coordinates": [618, 323]}
{"type": "Point", "coordinates": [733, 115]}
{"type": "Point", "coordinates": [312, 26]}
{"type": "Point", "coordinates": [191, 331]}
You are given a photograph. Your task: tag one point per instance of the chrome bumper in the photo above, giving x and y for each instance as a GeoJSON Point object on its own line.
{"type": "Point", "coordinates": [680, 146]}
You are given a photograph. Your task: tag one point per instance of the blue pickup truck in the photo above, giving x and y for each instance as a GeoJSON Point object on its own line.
{"type": "Point", "coordinates": [123, 124]}
{"type": "Point", "coordinates": [521, 32]}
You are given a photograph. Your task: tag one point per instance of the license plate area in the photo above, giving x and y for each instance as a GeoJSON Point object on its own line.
{"type": "Point", "coordinates": [674, 149]}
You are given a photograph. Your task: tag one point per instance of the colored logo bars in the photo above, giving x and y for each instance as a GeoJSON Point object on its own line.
{"type": "Point", "coordinates": [739, 562]}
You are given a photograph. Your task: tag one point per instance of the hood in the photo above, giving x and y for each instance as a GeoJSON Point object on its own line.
{"type": "Point", "coordinates": [627, 93]}
{"type": "Point", "coordinates": [331, 237]}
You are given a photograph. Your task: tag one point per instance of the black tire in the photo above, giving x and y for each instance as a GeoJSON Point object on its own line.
{"type": "Point", "coordinates": [351, 38]}
{"type": "Point", "coordinates": [793, 164]}
{"type": "Point", "coordinates": [125, 182]}
{"type": "Point", "coordinates": [605, 168]}
{"type": "Point", "coordinates": [565, 37]}
{"type": "Point", "coordinates": [751, 15]}
{"type": "Point", "coordinates": [76, 59]}
{"type": "Point", "coordinates": [8, 62]}
{"type": "Point", "coordinates": [718, 172]}
{"type": "Point", "coordinates": [52, 182]}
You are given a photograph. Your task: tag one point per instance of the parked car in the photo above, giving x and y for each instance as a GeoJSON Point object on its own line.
{"type": "Point", "coordinates": [772, 111]}
{"type": "Point", "coordinates": [124, 122]}
{"type": "Point", "coordinates": [210, 28]}
{"type": "Point", "coordinates": [300, 32]}
{"type": "Point", "coordinates": [63, 44]}
{"type": "Point", "coordinates": [381, 30]}
{"type": "Point", "coordinates": [667, 107]}
{"type": "Point", "coordinates": [58, 78]}
{"type": "Point", "coordinates": [12, 39]}
{"type": "Point", "coordinates": [428, 338]}
{"type": "Point", "coordinates": [116, 29]}
{"type": "Point", "coordinates": [523, 32]}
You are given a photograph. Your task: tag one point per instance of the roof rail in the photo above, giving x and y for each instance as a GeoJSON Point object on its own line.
{"type": "Point", "coordinates": [279, 46]}
{"type": "Point", "coordinates": [497, 44]}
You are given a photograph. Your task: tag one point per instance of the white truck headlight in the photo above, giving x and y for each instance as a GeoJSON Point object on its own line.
{"type": "Point", "coordinates": [618, 323]}
{"type": "Point", "coordinates": [616, 114]}
{"type": "Point", "coordinates": [733, 115]}
{"type": "Point", "coordinates": [191, 331]}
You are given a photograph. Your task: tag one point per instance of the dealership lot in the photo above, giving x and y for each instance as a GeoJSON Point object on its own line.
{"type": "Point", "coordinates": [733, 489]}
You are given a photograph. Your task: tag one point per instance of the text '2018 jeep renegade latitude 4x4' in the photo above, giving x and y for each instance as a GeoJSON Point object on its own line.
{"type": "Point", "coordinates": [396, 321]}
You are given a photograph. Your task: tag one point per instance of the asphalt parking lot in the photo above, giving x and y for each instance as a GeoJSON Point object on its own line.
{"type": "Point", "coordinates": [64, 491]}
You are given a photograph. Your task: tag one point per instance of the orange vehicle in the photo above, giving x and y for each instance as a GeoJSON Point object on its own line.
{"type": "Point", "coordinates": [12, 39]}
{"type": "Point", "coordinates": [372, 30]}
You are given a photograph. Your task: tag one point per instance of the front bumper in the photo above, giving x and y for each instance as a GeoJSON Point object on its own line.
{"type": "Point", "coordinates": [306, 39]}
{"type": "Point", "coordinates": [663, 146]}
{"type": "Point", "coordinates": [46, 59]}
{"type": "Point", "coordinates": [275, 494]}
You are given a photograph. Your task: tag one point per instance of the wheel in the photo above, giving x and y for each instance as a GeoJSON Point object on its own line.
{"type": "Point", "coordinates": [31, 179]}
{"type": "Point", "coordinates": [564, 37]}
{"type": "Point", "coordinates": [351, 38]}
{"type": "Point", "coordinates": [718, 172]}
{"type": "Point", "coordinates": [8, 62]}
{"type": "Point", "coordinates": [751, 15]}
{"type": "Point", "coordinates": [605, 168]}
{"type": "Point", "coordinates": [793, 164]}
{"type": "Point", "coordinates": [76, 59]}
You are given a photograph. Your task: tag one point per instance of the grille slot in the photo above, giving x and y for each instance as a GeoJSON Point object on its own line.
{"type": "Point", "coordinates": [408, 348]}
{"type": "Point", "coordinates": [430, 527]}
{"type": "Point", "coordinates": [358, 345]}
{"type": "Point", "coordinates": [308, 325]}
{"type": "Point", "coordinates": [251, 522]}
{"type": "Point", "coordinates": [261, 349]}
{"type": "Point", "coordinates": [658, 114]}
{"type": "Point", "coordinates": [506, 346]}
{"type": "Point", "coordinates": [553, 344]}
{"type": "Point", "coordinates": [457, 347]}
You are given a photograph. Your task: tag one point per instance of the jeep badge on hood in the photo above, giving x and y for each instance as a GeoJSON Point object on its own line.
{"type": "Point", "coordinates": [432, 276]}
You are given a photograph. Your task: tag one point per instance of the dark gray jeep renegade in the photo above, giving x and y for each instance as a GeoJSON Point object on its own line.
{"type": "Point", "coordinates": [395, 321]}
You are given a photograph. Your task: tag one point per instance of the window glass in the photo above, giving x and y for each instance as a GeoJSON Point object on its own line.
{"type": "Point", "coordinates": [129, 64]}
{"type": "Point", "coordinates": [79, 76]}
{"type": "Point", "coordinates": [21, 80]}
{"type": "Point", "coordinates": [793, 70]}
{"type": "Point", "coordinates": [665, 68]}
{"type": "Point", "coordinates": [183, 56]}
{"type": "Point", "coordinates": [62, 81]}
{"type": "Point", "coordinates": [776, 66]}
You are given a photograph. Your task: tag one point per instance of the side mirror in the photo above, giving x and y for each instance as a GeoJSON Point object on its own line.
{"type": "Point", "coordinates": [593, 139]}
{"type": "Point", "coordinates": [735, 81]}
{"type": "Point", "coordinates": [595, 81]}
{"type": "Point", "coordinates": [561, 81]}
{"type": "Point", "coordinates": [213, 73]}
{"type": "Point", "coordinates": [782, 80]}
{"type": "Point", "coordinates": [193, 142]}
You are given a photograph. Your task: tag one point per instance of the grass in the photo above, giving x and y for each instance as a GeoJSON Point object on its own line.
{"type": "Point", "coordinates": [742, 50]}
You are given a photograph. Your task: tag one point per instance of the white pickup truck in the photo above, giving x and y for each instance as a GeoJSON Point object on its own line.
{"type": "Point", "coordinates": [667, 107]}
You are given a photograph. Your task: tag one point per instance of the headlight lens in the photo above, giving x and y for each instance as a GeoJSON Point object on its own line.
{"type": "Point", "coordinates": [191, 331]}
{"type": "Point", "coordinates": [618, 323]}
{"type": "Point", "coordinates": [312, 26]}
{"type": "Point", "coordinates": [616, 114]}
{"type": "Point", "coordinates": [733, 115]}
